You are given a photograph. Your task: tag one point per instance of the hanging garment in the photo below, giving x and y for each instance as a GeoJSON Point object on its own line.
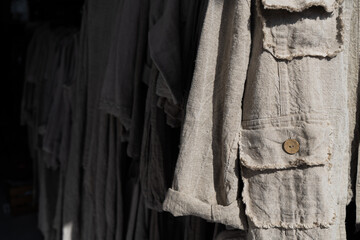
{"type": "Point", "coordinates": [231, 235]}
{"type": "Point", "coordinates": [117, 91]}
{"type": "Point", "coordinates": [265, 145]}
{"type": "Point", "coordinates": [173, 33]}
{"type": "Point", "coordinates": [95, 158]}
{"type": "Point", "coordinates": [48, 117]}
{"type": "Point", "coordinates": [173, 40]}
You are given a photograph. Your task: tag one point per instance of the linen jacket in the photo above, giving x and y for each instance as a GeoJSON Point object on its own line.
{"type": "Point", "coordinates": [271, 75]}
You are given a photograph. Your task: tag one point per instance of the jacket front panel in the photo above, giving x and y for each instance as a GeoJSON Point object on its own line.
{"type": "Point", "coordinates": [297, 95]}
{"type": "Point", "coordinates": [244, 110]}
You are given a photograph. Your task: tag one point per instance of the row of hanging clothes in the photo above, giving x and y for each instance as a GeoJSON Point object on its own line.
{"type": "Point", "coordinates": [104, 105]}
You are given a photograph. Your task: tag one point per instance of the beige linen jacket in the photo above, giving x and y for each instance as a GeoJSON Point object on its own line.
{"type": "Point", "coordinates": [271, 75]}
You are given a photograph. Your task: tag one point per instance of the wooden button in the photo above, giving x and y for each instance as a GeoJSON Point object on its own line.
{"type": "Point", "coordinates": [291, 146]}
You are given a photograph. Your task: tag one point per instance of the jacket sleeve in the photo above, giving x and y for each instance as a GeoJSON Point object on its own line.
{"type": "Point", "coordinates": [206, 181]}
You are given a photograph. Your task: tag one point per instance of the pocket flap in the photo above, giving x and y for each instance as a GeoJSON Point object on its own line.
{"type": "Point", "coordinates": [299, 5]}
{"type": "Point", "coordinates": [268, 148]}
{"type": "Point", "coordinates": [293, 28]}
{"type": "Point", "coordinates": [300, 178]}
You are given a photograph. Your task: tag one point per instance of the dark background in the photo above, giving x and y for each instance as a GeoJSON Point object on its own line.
{"type": "Point", "coordinates": [18, 20]}
{"type": "Point", "coordinates": [16, 31]}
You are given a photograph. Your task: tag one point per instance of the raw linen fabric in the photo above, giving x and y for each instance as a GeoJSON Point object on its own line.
{"type": "Point", "coordinates": [268, 71]}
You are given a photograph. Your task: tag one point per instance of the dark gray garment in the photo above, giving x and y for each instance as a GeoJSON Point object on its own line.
{"type": "Point", "coordinates": [100, 19]}
{"type": "Point", "coordinates": [134, 207]}
{"type": "Point", "coordinates": [127, 179]}
{"type": "Point", "coordinates": [31, 73]}
{"type": "Point", "coordinates": [198, 229]}
{"type": "Point", "coordinates": [55, 127]}
{"type": "Point", "coordinates": [110, 183]}
{"type": "Point", "coordinates": [49, 125]}
{"type": "Point", "coordinates": [193, 14]}
{"type": "Point", "coordinates": [38, 83]}
{"type": "Point", "coordinates": [51, 76]}
{"type": "Point", "coordinates": [173, 111]}
{"type": "Point", "coordinates": [118, 89]}
{"type": "Point", "coordinates": [73, 176]}
{"type": "Point", "coordinates": [231, 235]}
{"type": "Point", "coordinates": [27, 104]}
{"type": "Point", "coordinates": [123, 92]}
{"type": "Point", "coordinates": [121, 156]}
{"type": "Point", "coordinates": [48, 182]}
{"type": "Point", "coordinates": [142, 63]}
{"type": "Point", "coordinates": [143, 227]}
{"type": "Point", "coordinates": [131, 198]}
{"type": "Point", "coordinates": [99, 178]}
{"type": "Point", "coordinates": [165, 45]}
{"type": "Point", "coordinates": [100, 29]}
{"type": "Point", "coordinates": [171, 227]}
{"type": "Point", "coordinates": [173, 42]}
{"type": "Point", "coordinates": [63, 155]}
{"type": "Point", "coordinates": [54, 46]}
{"type": "Point", "coordinates": [160, 142]}
{"type": "Point", "coordinates": [113, 189]}
{"type": "Point", "coordinates": [55, 71]}
{"type": "Point", "coordinates": [68, 100]}
{"type": "Point", "coordinates": [80, 202]}
{"type": "Point", "coordinates": [90, 129]}
{"type": "Point", "coordinates": [151, 165]}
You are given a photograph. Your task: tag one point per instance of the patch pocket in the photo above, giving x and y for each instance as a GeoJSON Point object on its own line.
{"type": "Point", "coordinates": [298, 28]}
{"type": "Point", "coordinates": [285, 170]}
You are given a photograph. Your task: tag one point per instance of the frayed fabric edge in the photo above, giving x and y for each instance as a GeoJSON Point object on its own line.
{"type": "Point", "coordinates": [314, 3]}
{"type": "Point", "coordinates": [267, 225]}
{"type": "Point", "coordinates": [300, 161]}
{"type": "Point", "coordinates": [327, 54]}
{"type": "Point", "coordinates": [291, 164]}
{"type": "Point", "coordinates": [182, 204]}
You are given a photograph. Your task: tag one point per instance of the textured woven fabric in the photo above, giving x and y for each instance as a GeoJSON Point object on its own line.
{"type": "Point", "coordinates": [268, 71]}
